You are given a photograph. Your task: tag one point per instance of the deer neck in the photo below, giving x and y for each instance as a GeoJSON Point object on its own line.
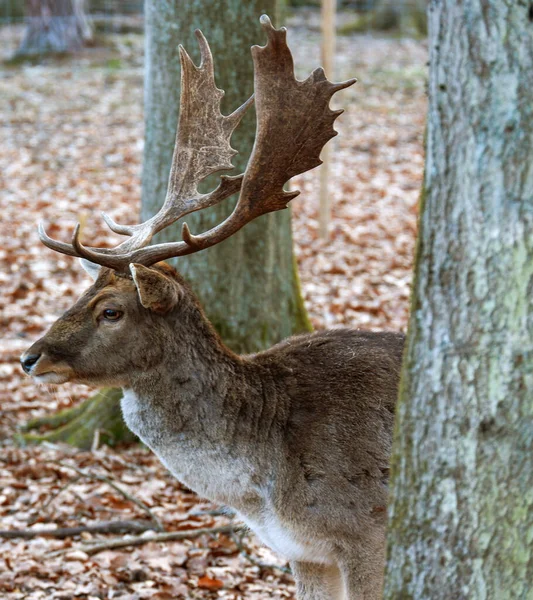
{"type": "Point", "coordinates": [192, 378]}
{"type": "Point", "coordinates": [197, 410]}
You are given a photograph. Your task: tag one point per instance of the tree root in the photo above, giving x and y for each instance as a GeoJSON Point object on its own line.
{"type": "Point", "coordinates": [100, 414]}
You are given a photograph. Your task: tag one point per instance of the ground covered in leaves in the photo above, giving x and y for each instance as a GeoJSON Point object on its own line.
{"type": "Point", "coordinates": [71, 146]}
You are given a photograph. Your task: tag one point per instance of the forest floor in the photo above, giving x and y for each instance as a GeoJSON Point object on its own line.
{"type": "Point", "coordinates": [72, 138]}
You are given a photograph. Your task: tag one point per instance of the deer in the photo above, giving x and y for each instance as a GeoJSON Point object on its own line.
{"type": "Point", "coordinates": [295, 439]}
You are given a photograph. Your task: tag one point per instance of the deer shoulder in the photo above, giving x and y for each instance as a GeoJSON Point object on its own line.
{"type": "Point", "coordinates": [340, 391]}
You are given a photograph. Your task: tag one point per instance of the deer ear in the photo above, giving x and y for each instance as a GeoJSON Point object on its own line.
{"type": "Point", "coordinates": [90, 268]}
{"type": "Point", "coordinates": [156, 291]}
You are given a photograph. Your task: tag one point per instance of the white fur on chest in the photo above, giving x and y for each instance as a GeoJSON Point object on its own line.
{"type": "Point", "coordinates": [270, 531]}
{"type": "Point", "coordinates": [200, 466]}
{"type": "Point", "coordinates": [212, 474]}
{"type": "Point", "coordinates": [273, 534]}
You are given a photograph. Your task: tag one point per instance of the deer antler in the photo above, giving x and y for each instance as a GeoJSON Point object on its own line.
{"type": "Point", "coordinates": [202, 148]}
{"type": "Point", "coordinates": [294, 122]}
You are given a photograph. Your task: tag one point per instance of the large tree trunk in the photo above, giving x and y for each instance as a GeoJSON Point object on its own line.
{"type": "Point", "coordinates": [462, 471]}
{"type": "Point", "coordinates": [54, 27]}
{"type": "Point", "coordinates": [249, 284]}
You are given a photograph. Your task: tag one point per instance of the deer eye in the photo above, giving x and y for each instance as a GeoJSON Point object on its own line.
{"type": "Point", "coordinates": [111, 314]}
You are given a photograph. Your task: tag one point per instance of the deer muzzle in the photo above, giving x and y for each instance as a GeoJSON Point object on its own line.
{"type": "Point", "coordinates": [38, 365]}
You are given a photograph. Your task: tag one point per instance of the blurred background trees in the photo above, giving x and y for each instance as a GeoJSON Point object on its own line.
{"type": "Point", "coordinates": [59, 26]}
{"type": "Point", "coordinates": [54, 27]}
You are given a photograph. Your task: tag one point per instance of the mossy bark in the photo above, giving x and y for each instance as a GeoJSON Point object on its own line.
{"type": "Point", "coordinates": [461, 514]}
{"type": "Point", "coordinates": [100, 414]}
{"type": "Point", "coordinates": [249, 284]}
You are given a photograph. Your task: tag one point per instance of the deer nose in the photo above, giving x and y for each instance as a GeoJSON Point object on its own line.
{"type": "Point", "coordinates": [27, 362]}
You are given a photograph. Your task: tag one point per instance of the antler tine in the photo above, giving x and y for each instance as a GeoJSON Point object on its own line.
{"type": "Point", "coordinates": [56, 245]}
{"type": "Point", "coordinates": [206, 57]}
{"type": "Point", "coordinates": [294, 122]}
{"type": "Point", "coordinates": [116, 227]}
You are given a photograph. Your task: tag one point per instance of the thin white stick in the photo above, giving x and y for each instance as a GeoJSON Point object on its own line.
{"type": "Point", "coordinates": [328, 57]}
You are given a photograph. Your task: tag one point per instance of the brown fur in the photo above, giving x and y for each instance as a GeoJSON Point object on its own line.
{"type": "Point", "coordinates": [297, 439]}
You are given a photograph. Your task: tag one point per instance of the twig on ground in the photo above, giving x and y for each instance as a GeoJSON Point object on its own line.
{"type": "Point", "coordinates": [238, 535]}
{"type": "Point", "coordinates": [221, 511]}
{"type": "Point", "coordinates": [64, 532]}
{"type": "Point", "coordinates": [96, 440]}
{"type": "Point", "coordinates": [111, 483]}
{"type": "Point", "coordinates": [52, 498]}
{"type": "Point", "coordinates": [168, 536]}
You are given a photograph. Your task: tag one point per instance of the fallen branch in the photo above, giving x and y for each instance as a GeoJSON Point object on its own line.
{"type": "Point", "coordinates": [221, 511]}
{"type": "Point", "coordinates": [169, 536]}
{"type": "Point", "coordinates": [64, 532]}
{"type": "Point", "coordinates": [111, 483]}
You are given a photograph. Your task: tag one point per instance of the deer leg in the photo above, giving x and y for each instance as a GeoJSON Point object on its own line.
{"type": "Point", "coordinates": [362, 576]}
{"type": "Point", "coordinates": [317, 582]}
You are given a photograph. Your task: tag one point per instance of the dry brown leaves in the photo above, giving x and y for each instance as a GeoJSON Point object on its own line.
{"type": "Point", "coordinates": [71, 146]}
{"type": "Point", "coordinates": [39, 493]}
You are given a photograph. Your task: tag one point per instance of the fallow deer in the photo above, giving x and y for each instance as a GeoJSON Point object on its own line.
{"type": "Point", "coordinates": [297, 438]}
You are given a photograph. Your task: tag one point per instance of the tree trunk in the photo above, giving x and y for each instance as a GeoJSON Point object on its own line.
{"type": "Point", "coordinates": [54, 27]}
{"type": "Point", "coordinates": [248, 284]}
{"type": "Point", "coordinates": [462, 470]}
{"type": "Point", "coordinates": [409, 16]}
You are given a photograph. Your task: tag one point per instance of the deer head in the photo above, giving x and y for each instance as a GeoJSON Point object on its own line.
{"type": "Point", "coordinates": [131, 298]}
{"type": "Point", "coordinates": [119, 326]}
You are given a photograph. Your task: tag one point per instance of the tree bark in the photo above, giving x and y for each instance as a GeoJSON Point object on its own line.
{"type": "Point", "coordinates": [461, 515]}
{"type": "Point", "coordinates": [248, 284]}
{"type": "Point", "coordinates": [54, 27]}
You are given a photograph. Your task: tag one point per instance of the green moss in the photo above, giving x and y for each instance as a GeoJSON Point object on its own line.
{"type": "Point", "coordinates": [18, 60]}
{"type": "Point", "coordinates": [300, 318]}
{"type": "Point", "coordinates": [77, 426]}
{"type": "Point", "coordinates": [121, 28]}
{"type": "Point", "coordinates": [12, 10]}
{"type": "Point", "coordinates": [389, 20]}
{"type": "Point", "coordinates": [114, 64]}
{"type": "Point", "coordinates": [57, 419]}
{"type": "Point", "coordinates": [360, 24]}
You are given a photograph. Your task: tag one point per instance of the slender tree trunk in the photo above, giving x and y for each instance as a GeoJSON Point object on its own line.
{"type": "Point", "coordinates": [54, 27]}
{"type": "Point", "coordinates": [462, 486]}
{"type": "Point", "coordinates": [248, 284]}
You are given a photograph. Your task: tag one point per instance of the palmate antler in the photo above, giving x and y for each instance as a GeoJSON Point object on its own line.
{"type": "Point", "coordinates": [294, 122]}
